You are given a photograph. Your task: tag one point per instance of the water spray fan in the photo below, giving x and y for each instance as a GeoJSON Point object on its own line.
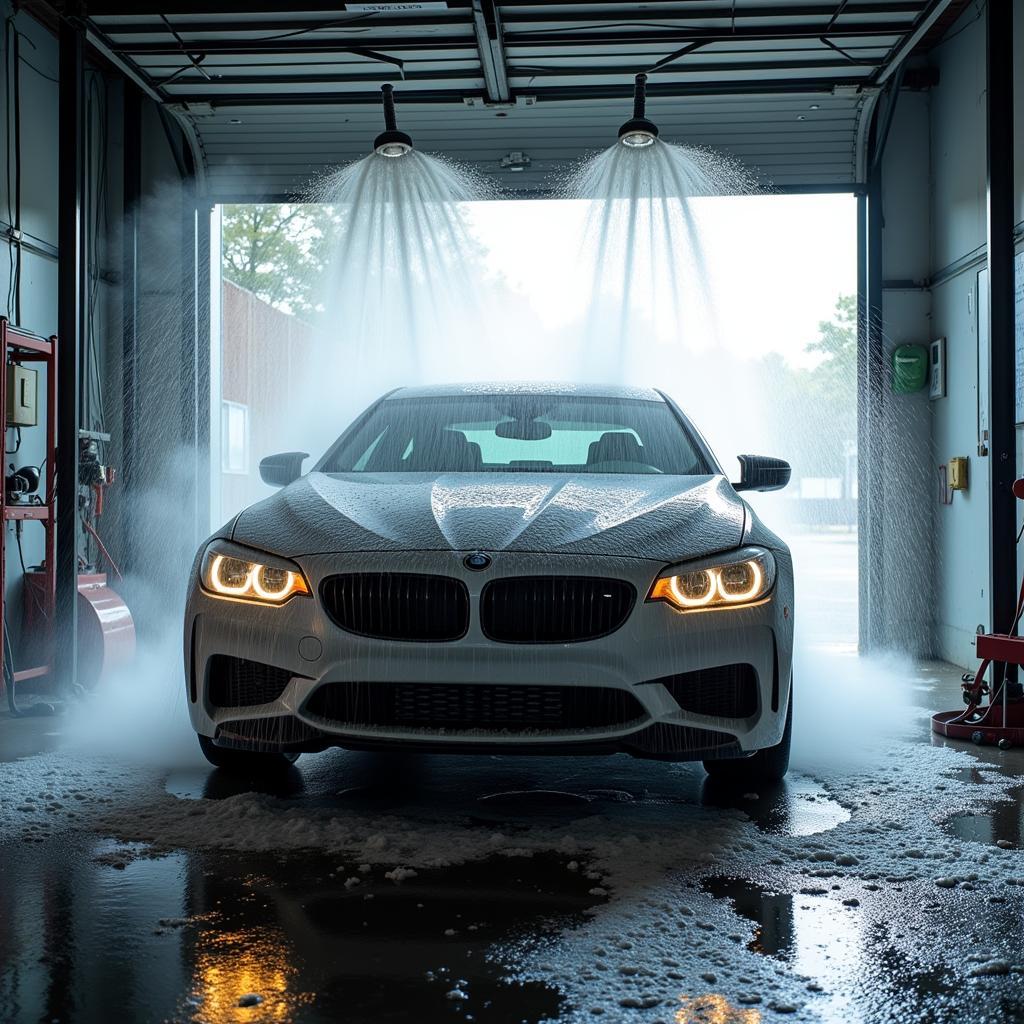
{"type": "Point", "coordinates": [638, 131]}
{"type": "Point", "coordinates": [391, 142]}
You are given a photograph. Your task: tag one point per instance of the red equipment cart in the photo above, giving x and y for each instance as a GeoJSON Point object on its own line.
{"type": "Point", "coordinates": [999, 719]}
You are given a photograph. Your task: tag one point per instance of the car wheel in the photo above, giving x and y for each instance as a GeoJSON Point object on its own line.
{"type": "Point", "coordinates": [244, 761]}
{"type": "Point", "coordinates": [767, 765]}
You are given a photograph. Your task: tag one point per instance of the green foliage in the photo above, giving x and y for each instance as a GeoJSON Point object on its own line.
{"type": "Point", "coordinates": [812, 413]}
{"type": "Point", "coordinates": [837, 345]}
{"type": "Point", "coordinates": [279, 252]}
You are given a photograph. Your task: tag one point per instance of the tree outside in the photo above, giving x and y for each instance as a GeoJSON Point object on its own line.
{"type": "Point", "coordinates": [280, 252]}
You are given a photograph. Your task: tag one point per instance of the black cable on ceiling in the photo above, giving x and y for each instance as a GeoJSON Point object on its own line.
{"type": "Point", "coordinates": [844, 53]}
{"type": "Point", "coordinates": [836, 15]}
{"type": "Point", "coordinates": [184, 49]}
{"type": "Point", "coordinates": [316, 28]}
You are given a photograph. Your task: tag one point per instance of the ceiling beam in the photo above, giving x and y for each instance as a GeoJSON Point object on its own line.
{"type": "Point", "coordinates": [216, 86]}
{"type": "Point", "coordinates": [750, 87]}
{"type": "Point", "coordinates": [590, 11]}
{"type": "Point", "coordinates": [489, 42]}
{"type": "Point", "coordinates": [323, 44]}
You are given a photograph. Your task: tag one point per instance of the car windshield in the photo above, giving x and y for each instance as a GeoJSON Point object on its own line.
{"type": "Point", "coordinates": [518, 433]}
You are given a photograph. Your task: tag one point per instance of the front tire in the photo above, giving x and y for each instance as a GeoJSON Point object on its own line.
{"type": "Point", "coordinates": [244, 762]}
{"type": "Point", "coordinates": [767, 765]}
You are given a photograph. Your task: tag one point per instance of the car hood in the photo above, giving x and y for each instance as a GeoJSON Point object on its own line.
{"type": "Point", "coordinates": [664, 518]}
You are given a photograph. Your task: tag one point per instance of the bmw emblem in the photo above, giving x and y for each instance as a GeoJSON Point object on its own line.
{"type": "Point", "coordinates": [477, 561]}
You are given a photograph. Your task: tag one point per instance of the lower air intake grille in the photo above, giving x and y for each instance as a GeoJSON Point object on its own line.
{"type": "Point", "coordinates": [729, 691]}
{"type": "Point", "coordinates": [397, 606]}
{"type": "Point", "coordinates": [237, 683]}
{"type": "Point", "coordinates": [474, 706]}
{"type": "Point", "coordinates": [554, 609]}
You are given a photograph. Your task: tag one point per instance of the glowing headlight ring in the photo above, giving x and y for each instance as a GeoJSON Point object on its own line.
{"type": "Point", "coordinates": [226, 588]}
{"type": "Point", "coordinates": [755, 587]}
{"type": "Point", "coordinates": [691, 602]}
{"type": "Point", "coordinates": [272, 595]}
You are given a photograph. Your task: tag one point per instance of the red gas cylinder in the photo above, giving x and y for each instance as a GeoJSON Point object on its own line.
{"type": "Point", "coordinates": [106, 631]}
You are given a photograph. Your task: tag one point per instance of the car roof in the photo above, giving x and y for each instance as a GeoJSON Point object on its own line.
{"type": "Point", "coordinates": [528, 388]}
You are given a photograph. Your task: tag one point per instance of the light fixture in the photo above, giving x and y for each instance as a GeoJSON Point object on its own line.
{"type": "Point", "coordinates": [391, 142]}
{"type": "Point", "coordinates": [517, 160]}
{"type": "Point", "coordinates": [227, 572]}
{"type": "Point", "coordinates": [638, 132]}
{"type": "Point", "coordinates": [743, 580]}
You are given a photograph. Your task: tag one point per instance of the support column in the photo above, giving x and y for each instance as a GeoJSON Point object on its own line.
{"type": "Point", "coordinates": [71, 295]}
{"type": "Point", "coordinates": [189, 370]}
{"type": "Point", "coordinates": [131, 214]}
{"type": "Point", "coordinates": [871, 377]}
{"type": "Point", "coordinates": [1002, 376]}
{"type": "Point", "coordinates": [203, 397]}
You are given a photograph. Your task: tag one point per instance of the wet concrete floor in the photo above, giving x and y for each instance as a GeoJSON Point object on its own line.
{"type": "Point", "coordinates": [95, 927]}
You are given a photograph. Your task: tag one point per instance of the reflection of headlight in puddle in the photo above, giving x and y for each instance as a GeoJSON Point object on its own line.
{"type": "Point", "coordinates": [714, 1009]}
{"type": "Point", "coordinates": [229, 965]}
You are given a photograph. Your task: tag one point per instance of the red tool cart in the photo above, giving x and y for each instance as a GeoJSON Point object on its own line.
{"type": "Point", "coordinates": [993, 695]}
{"type": "Point", "coordinates": [21, 347]}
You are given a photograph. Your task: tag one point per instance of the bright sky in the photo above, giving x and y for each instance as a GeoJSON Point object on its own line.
{"type": "Point", "coordinates": [777, 263]}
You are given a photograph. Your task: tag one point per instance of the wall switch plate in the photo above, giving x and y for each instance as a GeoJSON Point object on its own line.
{"type": "Point", "coordinates": [958, 473]}
{"type": "Point", "coordinates": [22, 396]}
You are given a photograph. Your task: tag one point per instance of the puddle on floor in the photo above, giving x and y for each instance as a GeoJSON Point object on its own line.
{"type": "Point", "coordinates": [853, 962]}
{"type": "Point", "coordinates": [771, 913]}
{"type": "Point", "coordinates": [307, 938]}
{"type": "Point", "coordinates": [999, 823]}
{"type": "Point", "coordinates": [968, 773]}
{"type": "Point", "coordinates": [796, 807]}
{"type": "Point", "coordinates": [360, 946]}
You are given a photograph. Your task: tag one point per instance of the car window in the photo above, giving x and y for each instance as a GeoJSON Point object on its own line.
{"type": "Point", "coordinates": [519, 433]}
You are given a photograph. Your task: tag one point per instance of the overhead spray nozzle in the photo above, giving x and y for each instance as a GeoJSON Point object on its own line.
{"type": "Point", "coordinates": [638, 131]}
{"type": "Point", "coordinates": [391, 142]}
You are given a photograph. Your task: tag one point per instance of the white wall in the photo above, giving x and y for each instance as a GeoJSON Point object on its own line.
{"type": "Point", "coordinates": [906, 451]}
{"type": "Point", "coordinates": [958, 235]}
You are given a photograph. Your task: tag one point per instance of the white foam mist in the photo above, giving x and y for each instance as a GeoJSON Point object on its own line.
{"type": "Point", "coordinates": [404, 294]}
{"type": "Point", "coordinates": [653, 319]}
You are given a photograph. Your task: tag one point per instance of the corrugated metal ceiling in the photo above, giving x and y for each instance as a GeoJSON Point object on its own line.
{"type": "Point", "coordinates": [277, 96]}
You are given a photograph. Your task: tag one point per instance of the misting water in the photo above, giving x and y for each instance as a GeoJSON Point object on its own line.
{"type": "Point", "coordinates": [404, 298]}
{"type": "Point", "coordinates": [653, 319]}
{"type": "Point", "coordinates": [642, 244]}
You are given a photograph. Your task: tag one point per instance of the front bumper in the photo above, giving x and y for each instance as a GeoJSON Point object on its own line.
{"type": "Point", "coordinates": [655, 642]}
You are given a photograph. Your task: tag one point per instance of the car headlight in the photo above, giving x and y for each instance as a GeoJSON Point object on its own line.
{"type": "Point", "coordinates": [742, 579]}
{"type": "Point", "coordinates": [233, 572]}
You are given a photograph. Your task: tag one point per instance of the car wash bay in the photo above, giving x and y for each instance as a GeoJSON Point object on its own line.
{"type": "Point", "coordinates": [881, 881]}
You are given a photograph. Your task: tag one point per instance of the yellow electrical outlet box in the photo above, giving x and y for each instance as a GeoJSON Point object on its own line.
{"type": "Point", "coordinates": [22, 396]}
{"type": "Point", "coordinates": [958, 473]}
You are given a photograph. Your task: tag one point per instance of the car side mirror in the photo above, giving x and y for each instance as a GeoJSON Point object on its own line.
{"type": "Point", "coordinates": [762, 473]}
{"type": "Point", "coordinates": [280, 470]}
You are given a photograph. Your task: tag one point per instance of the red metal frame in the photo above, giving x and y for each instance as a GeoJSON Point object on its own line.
{"type": "Point", "coordinates": [1000, 720]}
{"type": "Point", "coordinates": [19, 346]}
